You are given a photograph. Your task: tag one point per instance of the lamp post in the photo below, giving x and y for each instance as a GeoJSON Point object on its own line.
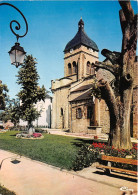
{"type": "Point", "coordinates": [17, 53]}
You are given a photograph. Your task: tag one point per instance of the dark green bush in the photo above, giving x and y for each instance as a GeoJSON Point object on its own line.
{"type": "Point", "coordinates": [84, 159]}
{"type": "Point", "coordinates": [39, 130]}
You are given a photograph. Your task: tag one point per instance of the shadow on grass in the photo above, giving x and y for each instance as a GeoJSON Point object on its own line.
{"type": "Point", "coordinates": [14, 135]}
{"type": "Point", "coordinates": [112, 175]}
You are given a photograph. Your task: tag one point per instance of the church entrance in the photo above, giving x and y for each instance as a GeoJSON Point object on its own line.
{"type": "Point", "coordinates": [90, 114]}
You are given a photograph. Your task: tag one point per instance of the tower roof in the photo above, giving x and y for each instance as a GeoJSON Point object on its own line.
{"type": "Point", "coordinates": [81, 38]}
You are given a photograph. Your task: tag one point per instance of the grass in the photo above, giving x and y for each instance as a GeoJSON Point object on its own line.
{"type": "Point", "coordinates": [55, 150]}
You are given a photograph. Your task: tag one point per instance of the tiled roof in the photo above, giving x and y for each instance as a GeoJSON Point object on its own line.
{"type": "Point", "coordinates": [81, 38]}
{"type": "Point", "coordinates": [82, 88]}
{"type": "Point", "coordinates": [85, 96]}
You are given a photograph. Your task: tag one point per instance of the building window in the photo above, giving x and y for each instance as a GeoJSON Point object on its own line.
{"type": "Point", "coordinates": [61, 111]}
{"type": "Point", "coordinates": [69, 69]}
{"type": "Point", "coordinates": [78, 113]}
{"type": "Point", "coordinates": [88, 67]}
{"type": "Point", "coordinates": [74, 67]}
{"type": "Point", "coordinates": [92, 70]}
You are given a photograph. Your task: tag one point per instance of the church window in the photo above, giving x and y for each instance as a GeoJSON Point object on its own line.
{"type": "Point", "coordinates": [92, 70]}
{"type": "Point", "coordinates": [69, 69]}
{"type": "Point", "coordinates": [78, 113]}
{"type": "Point", "coordinates": [88, 67]}
{"type": "Point", "coordinates": [61, 111]}
{"type": "Point", "coordinates": [74, 67]}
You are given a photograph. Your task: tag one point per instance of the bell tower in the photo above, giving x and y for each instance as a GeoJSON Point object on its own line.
{"type": "Point", "coordinates": [79, 54]}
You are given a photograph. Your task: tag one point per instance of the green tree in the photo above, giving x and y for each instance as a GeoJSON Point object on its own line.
{"type": "Point", "coordinates": [3, 95]}
{"type": "Point", "coordinates": [30, 92]}
{"type": "Point", "coordinates": [12, 111]}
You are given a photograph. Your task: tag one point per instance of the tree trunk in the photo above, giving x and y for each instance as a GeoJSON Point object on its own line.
{"type": "Point", "coordinates": [126, 63]}
{"type": "Point", "coordinates": [119, 135]}
{"type": "Point", "coordinates": [129, 29]}
{"type": "Point", "coordinates": [119, 99]}
{"type": "Point", "coordinates": [108, 95]}
{"type": "Point", "coordinates": [125, 120]}
{"type": "Point", "coordinates": [30, 128]}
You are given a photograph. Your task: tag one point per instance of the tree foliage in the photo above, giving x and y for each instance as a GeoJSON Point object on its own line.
{"type": "Point", "coordinates": [12, 111]}
{"type": "Point", "coordinates": [30, 92]}
{"type": "Point", "coordinates": [3, 95]}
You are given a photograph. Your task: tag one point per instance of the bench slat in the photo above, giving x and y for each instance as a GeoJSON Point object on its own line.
{"type": "Point", "coordinates": [117, 169]}
{"type": "Point", "coordinates": [120, 160]}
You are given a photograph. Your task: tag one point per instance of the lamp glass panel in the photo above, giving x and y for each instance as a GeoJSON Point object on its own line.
{"type": "Point", "coordinates": [12, 56]}
{"type": "Point", "coordinates": [19, 57]}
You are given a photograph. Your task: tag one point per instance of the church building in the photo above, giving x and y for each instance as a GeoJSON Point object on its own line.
{"type": "Point", "coordinates": [74, 108]}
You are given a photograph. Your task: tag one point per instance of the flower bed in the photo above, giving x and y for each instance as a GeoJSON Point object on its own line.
{"type": "Point", "coordinates": [90, 154]}
{"type": "Point", "coordinates": [111, 151]}
{"type": "Point", "coordinates": [27, 136]}
{"type": "Point", "coordinates": [3, 131]}
{"type": "Point", "coordinates": [35, 135]}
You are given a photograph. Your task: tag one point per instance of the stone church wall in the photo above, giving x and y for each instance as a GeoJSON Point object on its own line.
{"type": "Point", "coordinates": [60, 115]}
{"type": "Point", "coordinates": [79, 125]}
{"type": "Point", "coordinates": [81, 56]}
{"type": "Point", "coordinates": [104, 117]}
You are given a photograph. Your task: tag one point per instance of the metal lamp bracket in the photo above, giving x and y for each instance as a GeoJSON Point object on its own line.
{"type": "Point", "coordinates": [18, 26]}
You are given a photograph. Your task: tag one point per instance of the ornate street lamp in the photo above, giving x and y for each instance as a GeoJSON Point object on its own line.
{"type": "Point", "coordinates": [17, 52]}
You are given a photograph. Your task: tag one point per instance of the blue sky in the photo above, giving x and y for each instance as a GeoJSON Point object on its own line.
{"type": "Point", "coordinates": [52, 24]}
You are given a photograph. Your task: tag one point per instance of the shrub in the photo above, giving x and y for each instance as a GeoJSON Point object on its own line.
{"type": "Point", "coordinates": [17, 128]}
{"type": "Point", "coordinates": [84, 158]}
{"type": "Point", "coordinates": [39, 130]}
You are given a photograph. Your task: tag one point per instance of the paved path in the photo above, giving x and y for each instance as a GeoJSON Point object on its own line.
{"type": "Point", "coordinates": [80, 135]}
{"type": "Point", "coordinates": [101, 136]}
{"type": "Point", "coordinates": [29, 177]}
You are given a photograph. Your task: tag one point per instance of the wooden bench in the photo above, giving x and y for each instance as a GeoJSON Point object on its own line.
{"type": "Point", "coordinates": [110, 159]}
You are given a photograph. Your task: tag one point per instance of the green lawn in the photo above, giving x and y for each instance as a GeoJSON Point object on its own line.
{"type": "Point", "coordinates": [55, 150]}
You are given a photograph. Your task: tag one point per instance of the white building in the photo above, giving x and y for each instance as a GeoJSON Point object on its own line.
{"type": "Point", "coordinates": [45, 119]}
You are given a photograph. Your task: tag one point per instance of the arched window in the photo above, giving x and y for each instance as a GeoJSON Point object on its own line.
{"type": "Point", "coordinates": [69, 69]}
{"type": "Point", "coordinates": [92, 69]}
{"type": "Point", "coordinates": [61, 111]}
{"type": "Point", "coordinates": [88, 67]}
{"type": "Point", "coordinates": [78, 113]}
{"type": "Point", "coordinates": [74, 67]}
